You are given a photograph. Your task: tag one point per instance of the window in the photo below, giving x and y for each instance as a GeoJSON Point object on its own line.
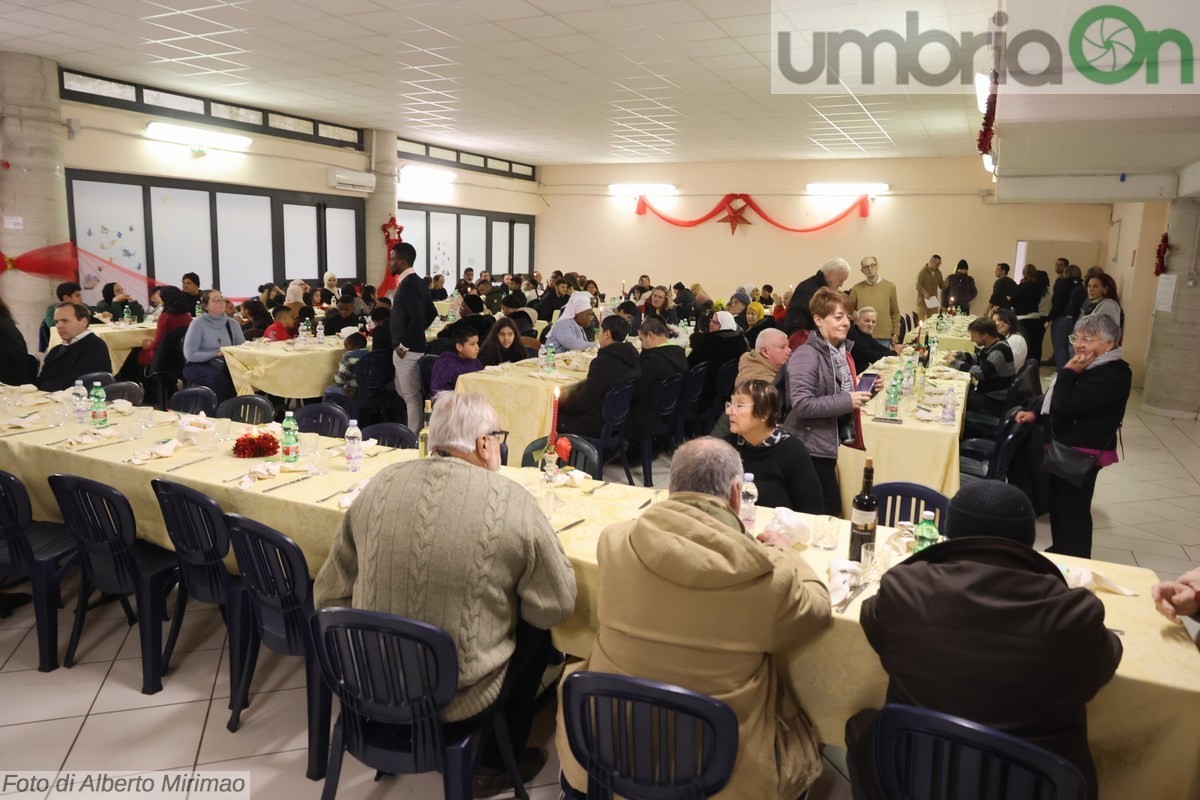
{"type": "Point", "coordinates": [451, 240]}
{"type": "Point", "coordinates": [419, 151]}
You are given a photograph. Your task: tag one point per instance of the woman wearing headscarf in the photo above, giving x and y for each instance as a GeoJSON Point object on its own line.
{"type": "Point", "coordinates": [577, 318]}
{"type": "Point", "coordinates": [721, 343]}
{"type": "Point", "coordinates": [116, 300]}
{"type": "Point", "coordinates": [294, 299]}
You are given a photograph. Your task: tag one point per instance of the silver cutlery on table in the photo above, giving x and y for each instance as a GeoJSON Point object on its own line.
{"type": "Point", "coordinates": [335, 494]}
{"type": "Point", "coordinates": [289, 483]}
{"type": "Point", "coordinates": [98, 446]}
{"type": "Point", "coordinates": [595, 489]}
{"type": "Point", "coordinates": [648, 502]}
{"type": "Point", "coordinates": [845, 604]}
{"type": "Point", "coordinates": [28, 430]}
{"type": "Point", "coordinates": [188, 464]}
{"type": "Point", "coordinates": [569, 526]}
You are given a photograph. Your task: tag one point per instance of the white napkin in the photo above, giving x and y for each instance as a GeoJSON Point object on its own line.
{"type": "Point", "coordinates": [901, 543]}
{"type": "Point", "coordinates": [927, 416]}
{"type": "Point", "coordinates": [494, 368]}
{"type": "Point", "coordinates": [91, 437]}
{"type": "Point", "coordinates": [844, 577]}
{"type": "Point", "coordinates": [62, 395]}
{"type": "Point", "coordinates": [294, 466]}
{"type": "Point", "coordinates": [161, 450]}
{"type": "Point", "coordinates": [790, 525]}
{"type": "Point", "coordinates": [552, 376]}
{"type": "Point", "coordinates": [17, 422]}
{"type": "Point", "coordinates": [27, 388]}
{"type": "Point", "coordinates": [573, 478]}
{"type": "Point", "coordinates": [262, 471]}
{"type": "Point", "coordinates": [1079, 577]}
{"type": "Point", "coordinates": [352, 493]}
{"type": "Point", "coordinates": [122, 406]}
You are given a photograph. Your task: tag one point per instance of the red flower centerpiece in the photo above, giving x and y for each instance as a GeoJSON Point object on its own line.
{"type": "Point", "coordinates": [255, 445]}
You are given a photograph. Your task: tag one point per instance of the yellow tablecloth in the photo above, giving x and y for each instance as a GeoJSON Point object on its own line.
{"type": "Point", "coordinates": [523, 401]}
{"type": "Point", "coordinates": [280, 369]}
{"type": "Point", "coordinates": [953, 338]}
{"type": "Point", "coordinates": [912, 450]}
{"type": "Point", "coordinates": [1143, 727]}
{"type": "Point", "coordinates": [442, 307]}
{"type": "Point", "coordinates": [119, 340]}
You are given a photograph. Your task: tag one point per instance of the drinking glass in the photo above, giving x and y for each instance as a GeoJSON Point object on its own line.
{"type": "Point", "coordinates": [318, 461]}
{"type": "Point", "coordinates": [143, 417]}
{"type": "Point", "coordinates": [206, 440]}
{"type": "Point", "coordinates": [58, 414]}
{"type": "Point", "coordinates": [224, 429]}
{"type": "Point", "coordinates": [875, 561]}
{"type": "Point", "coordinates": [309, 444]}
{"type": "Point", "coordinates": [12, 397]}
{"type": "Point", "coordinates": [825, 535]}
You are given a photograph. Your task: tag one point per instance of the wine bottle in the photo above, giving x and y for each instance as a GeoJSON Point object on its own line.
{"type": "Point", "coordinates": [863, 514]}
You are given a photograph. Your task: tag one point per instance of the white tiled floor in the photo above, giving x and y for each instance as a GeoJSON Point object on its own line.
{"type": "Point", "coordinates": [93, 716]}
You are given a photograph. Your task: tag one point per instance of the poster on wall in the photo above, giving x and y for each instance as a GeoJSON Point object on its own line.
{"type": "Point", "coordinates": [109, 234]}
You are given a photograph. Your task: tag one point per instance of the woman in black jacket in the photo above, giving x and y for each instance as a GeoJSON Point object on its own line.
{"type": "Point", "coordinates": [782, 468]}
{"type": "Point", "coordinates": [722, 343]}
{"type": "Point", "coordinates": [1086, 405]}
{"type": "Point", "coordinates": [15, 366]}
{"type": "Point", "coordinates": [1025, 304]}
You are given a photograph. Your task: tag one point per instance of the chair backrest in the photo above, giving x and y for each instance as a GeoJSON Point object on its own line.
{"type": "Point", "coordinates": [323, 418]}
{"type": "Point", "coordinates": [276, 578]}
{"type": "Point", "coordinates": [615, 409]}
{"type": "Point", "coordinates": [902, 501]}
{"type": "Point", "coordinates": [125, 390]}
{"type": "Point", "coordinates": [531, 343]}
{"type": "Point", "coordinates": [15, 518]}
{"type": "Point", "coordinates": [193, 400]}
{"type": "Point", "coordinates": [723, 387]}
{"type": "Point", "coordinates": [927, 754]}
{"type": "Point", "coordinates": [373, 371]}
{"type": "Point", "coordinates": [693, 387]}
{"type": "Point", "coordinates": [1008, 439]}
{"type": "Point", "coordinates": [391, 434]}
{"type": "Point", "coordinates": [663, 401]}
{"type": "Point", "coordinates": [103, 378]}
{"type": "Point", "coordinates": [1020, 389]}
{"type": "Point", "coordinates": [196, 525]}
{"type": "Point", "coordinates": [583, 454]}
{"type": "Point", "coordinates": [101, 522]}
{"type": "Point", "coordinates": [648, 741]}
{"type": "Point", "coordinates": [248, 409]}
{"type": "Point", "coordinates": [425, 372]}
{"type": "Point", "coordinates": [168, 356]}
{"type": "Point", "coordinates": [389, 670]}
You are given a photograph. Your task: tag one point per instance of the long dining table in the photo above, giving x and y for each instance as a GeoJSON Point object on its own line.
{"type": "Point", "coordinates": [283, 368]}
{"type": "Point", "coordinates": [119, 338]}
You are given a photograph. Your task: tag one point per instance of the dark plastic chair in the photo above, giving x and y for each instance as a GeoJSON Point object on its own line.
{"type": "Point", "coordinates": [644, 740]}
{"type": "Point", "coordinates": [688, 412]}
{"type": "Point", "coordinates": [275, 574]}
{"type": "Point", "coordinates": [323, 418]}
{"type": "Point", "coordinates": [43, 337]}
{"type": "Point", "coordinates": [393, 677]}
{"type": "Point", "coordinates": [166, 368]}
{"type": "Point", "coordinates": [103, 378]}
{"type": "Point", "coordinates": [248, 409]}
{"type": "Point", "coordinates": [903, 332]}
{"type": "Point", "coordinates": [722, 391]}
{"type": "Point", "coordinates": [124, 390]}
{"type": "Point", "coordinates": [391, 434]}
{"type": "Point", "coordinates": [425, 371]}
{"type": "Point", "coordinates": [901, 501]}
{"type": "Point", "coordinates": [583, 455]}
{"type": "Point", "coordinates": [977, 424]}
{"type": "Point", "coordinates": [659, 420]}
{"type": "Point", "coordinates": [42, 551]}
{"type": "Point", "coordinates": [373, 373]}
{"type": "Point", "coordinates": [615, 410]}
{"type": "Point", "coordinates": [193, 400]}
{"type": "Point", "coordinates": [984, 459]}
{"type": "Point", "coordinates": [929, 755]}
{"type": "Point", "coordinates": [117, 563]}
{"type": "Point", "coordinates": [196, 525]}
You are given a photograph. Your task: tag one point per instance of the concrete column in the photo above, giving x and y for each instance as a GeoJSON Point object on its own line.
{"type": "Point", "coordinates": [381, 203]}
{"type": "Point", "coordinates": [33, 189]}
{"type": "Point", "coordinates": [1173, 363]}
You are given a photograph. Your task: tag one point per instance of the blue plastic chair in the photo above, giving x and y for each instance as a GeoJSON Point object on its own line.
{"type": "Point", "coordinates": [644, 740]}
{"type": "Point", "coordinates": [391, 434]}
{"type": "Point", "coordinates": [933, 756]}
{"type": "Point", "coordinates": [583, 454]}
{"type": "Point", "coordinates": [425, 373]}
{"type": "Point", "coordinates": [276, 577]}
{"type": "Point", "coordinates": [193, 400]}
{"type": "Point", "coordinates": [323, 418]}
{"type": "Point", "coordinates": [900, 501]}
{"type": "Point", "coordinates": [372, 374]}
{"type": "Point", "coordinates": [984, 459]}
{"type": "Point", "coordinates": [42, 551]}
{"type": "Point", "coordinates": [196, 525]}
{"type": "Point", "coordinates": [247, 409]}
{"type": "Point", "coordinates": [124, 390]}
{"type": "Point", "coordinates": [393, 677]}
{"type": "Point", "coordinates": [615, 410]}
{"type": "Point", "coordinates": [722, 390]}
{"type": "Point", "coordinates": [117, 563]}
{"type": "Point", "coordinates": [688, 412]}
{"type": "Point", "coordinates": [659, 421]}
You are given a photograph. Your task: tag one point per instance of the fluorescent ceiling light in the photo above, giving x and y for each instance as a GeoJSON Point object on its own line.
{"type": "Point", "coordinates": [639, 189]}
{"type": "Point", "coordinates": [416, 174]}
{"type": "Point", "coordinates": [983, 88]}
{"type": "Point", "coordinates": [848, 189]}
{"type": "Point", "coordinates": [989, 163]}
{"type": "Point", "coordinates": [196, 137]}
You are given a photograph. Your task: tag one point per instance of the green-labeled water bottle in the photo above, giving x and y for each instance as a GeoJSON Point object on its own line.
{"type": "Point", "coordinates": [127, 316]}
{"type": "Point", "coordinates": [199, 310]}
{"type": "Point", "coordinates": [926, 533]}
{"type": "Point", "coordinates": [892, 405]}
{"type": "Point", "coordinates": [99, 405]}
{"type": "Point", "coordinates": [290, 446]}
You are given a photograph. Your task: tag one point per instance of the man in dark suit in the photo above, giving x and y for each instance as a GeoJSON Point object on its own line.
{"type": "Point", "coordinates": [412, 313]}
{"type": "Point", "coordinates": [984, 627]}
{"type": "Point", "coordinates": [81, 351]}
{"type": "Point", "coordinates": [833, 273]}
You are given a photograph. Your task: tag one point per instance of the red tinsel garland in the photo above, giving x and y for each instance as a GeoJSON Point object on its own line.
{"type": "Point", "coordinates": [251, 445]}
{"type": "Point", "coordinates": [55, 261]}
{"type": "Point", "coordinates": [1160, 255]}
{"type": "Point", "coordinates": [988, 131]}
{"type": "Point", "coordinates": [861, 204]}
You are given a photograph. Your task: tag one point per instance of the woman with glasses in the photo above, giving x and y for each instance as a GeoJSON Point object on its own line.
{"type": "Point", "coordinates": [783, 470]}
{"type": "Point", "coordinates": [202, 344]}
{"type": "Point", "coordinates": [1085, 406]}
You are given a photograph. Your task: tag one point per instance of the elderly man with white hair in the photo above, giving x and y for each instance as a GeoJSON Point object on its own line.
{"type": "Point", "coordinates": [833, 273]}
{"type": "Point", "coordinates": [489, 571]}
{"type": "Point", "coordinates": [689, 597]}
{"type": "Point", "coordinates": [867, 347]}
{"type": "Point", "coordinates": [570, 331]}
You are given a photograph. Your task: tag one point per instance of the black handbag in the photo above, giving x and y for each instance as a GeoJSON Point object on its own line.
{"type": "Point", "coordinates": [1067, 463]}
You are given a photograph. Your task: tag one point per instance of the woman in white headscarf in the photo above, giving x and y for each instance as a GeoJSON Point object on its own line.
{"type": "Point", "coordinates": [295, 295]}
{"type": "Point", "coordinates": [570, 331]}
{"type": "Point", "coordinates": [722, 343]}
{"type": "Point", "coordinates": [331, 282]}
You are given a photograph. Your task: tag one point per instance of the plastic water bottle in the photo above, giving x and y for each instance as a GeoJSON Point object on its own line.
{"type": "Point", "coordinates": [320, 333]}
{"type": "Point", "coordinates": [891, 407]}
{"type": "Point", "coordinates": [354, 449]}
{"type": "Point", "coordinates": [290, 447]}
{"type": "Point", "coordinates": [906, 386]}
{"type": "Point", "coordinates": [549, 357]}
{"type": "Point", "coordinates": [749, 501]}
{"type": "Point", "coordinates": [79, 402]}
{"type": "Point", "coordinates": [199, 310]}
{"type": "Point", "coordinates": [127, 316]}
{"type": "Point", "coordinates": [948, 407]}
{"type": "Point", "coordinates": [926, 532]}
{"type": "Point", "coordinates": [99, 405]}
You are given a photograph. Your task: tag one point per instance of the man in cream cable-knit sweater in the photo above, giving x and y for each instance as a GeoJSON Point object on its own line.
{"type": "Point", "coordinates": [447, 541]}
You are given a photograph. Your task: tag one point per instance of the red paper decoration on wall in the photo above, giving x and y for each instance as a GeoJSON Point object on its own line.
{"type": "Point", "coordinates": [55, 261]}
{"type": "Point", "coordinates": [735, 216]}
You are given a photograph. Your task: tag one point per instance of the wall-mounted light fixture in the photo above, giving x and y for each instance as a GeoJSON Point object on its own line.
{"type": "Point", "coordinates": [199, 139]}
{"type": "Point", "coordinates": [848, 189]}
{"type": "Point", "coordinates": [640, 189]}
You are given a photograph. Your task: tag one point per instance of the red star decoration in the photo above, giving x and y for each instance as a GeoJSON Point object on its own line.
{"type": "Point", "coordinates": [391, 231]}
{"type": "Point", "coordinates": [735, 217]}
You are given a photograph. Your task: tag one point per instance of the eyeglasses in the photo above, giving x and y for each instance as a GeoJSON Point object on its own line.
{"type": "Point", "coordinates": [739, 406]}
{"type": "Point", "coordinates": [1075, 337]}
{"type": "Point", "coordinates": [501, 435]}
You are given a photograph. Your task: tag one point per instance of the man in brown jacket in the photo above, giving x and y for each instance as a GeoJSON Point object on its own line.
{"type": "Point", "coordinates": [687, 597]}
{"type": "Point", "coordinates": [984, 627]}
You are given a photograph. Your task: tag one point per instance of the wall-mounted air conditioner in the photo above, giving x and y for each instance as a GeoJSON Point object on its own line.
{"type": "Point", "coordinates": [351, 180]}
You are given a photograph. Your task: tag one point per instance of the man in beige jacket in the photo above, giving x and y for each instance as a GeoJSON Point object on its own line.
{"type": "Point", "coordinates": [687, 597]}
